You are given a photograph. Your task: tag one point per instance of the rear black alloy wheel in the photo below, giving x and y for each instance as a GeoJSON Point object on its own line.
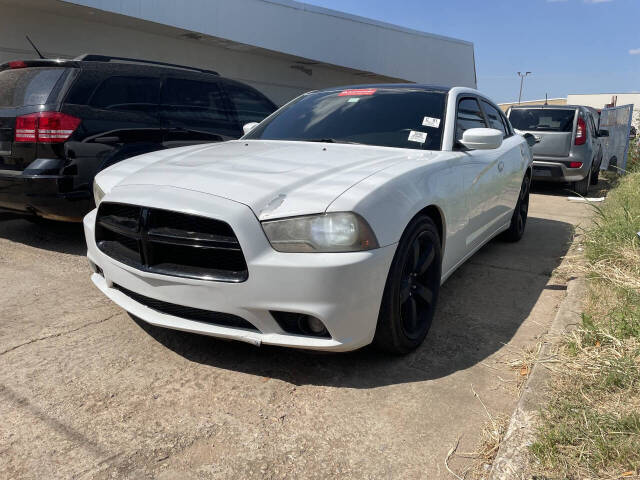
{"type": "Point", "coordinates": [411, 292]}
{"type": "Point", "coordinates": [520, 213]}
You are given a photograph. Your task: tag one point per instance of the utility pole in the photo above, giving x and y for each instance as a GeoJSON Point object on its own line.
{"type": "Point", "coordinates": [522, 77]}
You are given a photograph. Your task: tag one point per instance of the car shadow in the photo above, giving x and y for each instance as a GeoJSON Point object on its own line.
{"type": "Point", "coordinates": [481, 307]}
{"type": "Point", "coordinates": [58, 237]}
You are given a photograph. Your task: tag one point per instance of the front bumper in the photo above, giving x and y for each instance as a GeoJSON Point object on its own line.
{"type": "Point", "coordinates": [47, 196]}
{"type": "Point", "coordinates": [343, 290]}
{"type": "Point", "coordinates": [550, 169]}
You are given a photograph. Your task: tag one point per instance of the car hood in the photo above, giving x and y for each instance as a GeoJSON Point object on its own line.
{"type": "Point", "coordinates": [274, 178]}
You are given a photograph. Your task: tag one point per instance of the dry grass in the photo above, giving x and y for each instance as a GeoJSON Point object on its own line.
{"type": "Point", "coordinates": [591, 427]}
{"type": "Point", "coordinates": [481, 460]}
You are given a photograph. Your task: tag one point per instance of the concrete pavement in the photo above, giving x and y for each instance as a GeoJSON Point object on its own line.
{"type": "Point", "coordinates": [86, 392]}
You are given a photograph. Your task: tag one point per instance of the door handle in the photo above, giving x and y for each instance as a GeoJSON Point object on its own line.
{"type": "Point", "coordinates": [500, 166]}
{"type": "Point", "coordinates": [108, 140]}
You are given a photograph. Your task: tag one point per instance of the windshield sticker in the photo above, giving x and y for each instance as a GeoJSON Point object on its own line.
{"type": "Point", "coordinates": [419, 137]}
{"type": "Point", "coordinates": [353, 100]}
{"type": "Point", "coordinates": [357, 92]}
{"type": "Point", "coordinates": [431, 122]}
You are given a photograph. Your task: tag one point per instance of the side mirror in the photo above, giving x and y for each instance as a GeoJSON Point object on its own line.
{"type": "Point", "coordinates": [247, 127]}
{"type": "Point", "coordinates": [603, 133]}
{"type": "Point", "coordinates": [531, 139]}
{"type": "Point", "coordinates": [481, 138]}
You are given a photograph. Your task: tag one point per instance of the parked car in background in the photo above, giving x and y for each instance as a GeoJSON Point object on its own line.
{"type": "Point", "coordinates": [63, 121]}
{"type": "Point", "coordinates": [330, 225]}
{"type": "Point", "coordinates": [568, 146]}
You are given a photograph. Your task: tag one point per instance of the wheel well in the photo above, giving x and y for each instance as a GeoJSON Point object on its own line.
{"type": "Point", "coordinates": [435, 214]}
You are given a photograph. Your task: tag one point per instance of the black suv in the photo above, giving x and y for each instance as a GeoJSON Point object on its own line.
{"type": "Point", "coordinates": [62, 121]}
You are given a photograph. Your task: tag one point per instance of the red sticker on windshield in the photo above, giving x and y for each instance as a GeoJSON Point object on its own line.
{"type": "Point", "coordinates": [357, 91]}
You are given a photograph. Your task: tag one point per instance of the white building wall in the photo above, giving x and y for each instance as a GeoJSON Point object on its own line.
{"type": "Point", "coordinates": [67, 37]}
{"type": "Point", "coordinates": [275, 34]}
{"type": "Point", "coordinates": [315, 33]}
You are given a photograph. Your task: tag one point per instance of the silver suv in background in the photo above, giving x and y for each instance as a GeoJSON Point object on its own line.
{"type": "Point", "coordinates": [568, 146]}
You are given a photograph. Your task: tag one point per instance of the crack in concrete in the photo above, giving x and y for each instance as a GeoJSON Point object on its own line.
{"type": "Point", "coordinates": [59, 334]}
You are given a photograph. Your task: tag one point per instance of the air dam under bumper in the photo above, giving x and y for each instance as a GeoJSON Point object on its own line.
{"type": "Point", "coordinates": [343, 290]}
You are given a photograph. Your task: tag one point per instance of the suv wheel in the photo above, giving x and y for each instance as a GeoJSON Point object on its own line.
{"type": "Point", "coordinates": [582, 187]}
{"type": "Point", "coordinates": [595, 174]}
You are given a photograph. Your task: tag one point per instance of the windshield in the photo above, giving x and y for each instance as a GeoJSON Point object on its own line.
{"type": "Point", "coordinates": [388, 117]}
{"type": "Point", "coordinates": [27, 86]}
{"type": "Point", "coordinates": [542, 120]}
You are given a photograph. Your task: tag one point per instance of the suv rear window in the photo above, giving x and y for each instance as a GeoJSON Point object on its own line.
{"type": "Point", "coordinates": [542, 120]}
{"type": "Point", "coordinates": [124, 93]}
{"type": "Point", "coordinates": [186, 96]}
{"type": "Point", "coordinates": [250, 106]}
{"type": "Point", "coordinates": [27, 86]}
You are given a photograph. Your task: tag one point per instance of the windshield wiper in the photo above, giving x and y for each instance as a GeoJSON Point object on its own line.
{"type": "Point", "coordinates": [329, 140]}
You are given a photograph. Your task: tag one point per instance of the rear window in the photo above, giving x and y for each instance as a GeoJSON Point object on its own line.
{"type": "Point", "coordinates": [27, 86]}
{"type": "Point", "coordinates": [183, 95]}
{"type": "Point", "coordinates": [124, 93]}
{"type": "Point", "coordinates": [250, 105]}
{"type": "Point", "coordinates": [542, 120]}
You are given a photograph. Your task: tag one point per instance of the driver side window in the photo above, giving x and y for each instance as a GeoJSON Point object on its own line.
{"type": "Point", "coordinates": [469, 116]}
{"type": "Point", "coordinates": [494, 117]}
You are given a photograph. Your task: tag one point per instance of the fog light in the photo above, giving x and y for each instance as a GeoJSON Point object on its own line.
{"type": "Point", "coordinates": [300, 324]}
{"type": "Point", "coordinates": [316, 326]}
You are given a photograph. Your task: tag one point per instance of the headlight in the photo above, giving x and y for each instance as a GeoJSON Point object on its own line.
{"type": "Point", "coordinates": [329, 232]}
{"type": "Point", "coordinates": [98, 194]}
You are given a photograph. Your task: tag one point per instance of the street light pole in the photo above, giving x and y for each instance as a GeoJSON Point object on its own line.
{"type": "Point", "coordinates": [522, 77]}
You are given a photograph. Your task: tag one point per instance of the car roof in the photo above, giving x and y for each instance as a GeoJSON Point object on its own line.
{"type": "Point", "coordinates": [554, 107]}
{"type": "Point", "coordinates": [103, 62]}
{"type": "Point", "coordinates": [389, 86]}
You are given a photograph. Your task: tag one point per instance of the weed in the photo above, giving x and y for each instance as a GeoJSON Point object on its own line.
{"type": "Point", "coordinates": [591, 427]}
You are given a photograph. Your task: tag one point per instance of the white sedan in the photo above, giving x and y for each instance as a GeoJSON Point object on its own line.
{"type": "Point", "coordinates": [330, 225]}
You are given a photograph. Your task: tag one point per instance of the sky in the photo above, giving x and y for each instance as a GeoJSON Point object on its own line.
{"type": "Point", "coordinates": [570, 46]}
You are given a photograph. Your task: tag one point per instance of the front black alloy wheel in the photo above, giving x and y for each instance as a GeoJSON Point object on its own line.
{"type": "Point", "coordinates": [520, 213]}
{"type": "Point", "coordinates": [412, 288]}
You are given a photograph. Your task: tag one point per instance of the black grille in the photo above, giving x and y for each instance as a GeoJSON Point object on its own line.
{"type": "Point", "coordinates": [170, 243]}
{"type": "Point", "coordinates": [188, 313]}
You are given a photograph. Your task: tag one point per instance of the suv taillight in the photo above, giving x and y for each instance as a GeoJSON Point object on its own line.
{"type": "Point", "coordinates": [45, 127]}
{"type": "Point", "coordinates": [581, 132]}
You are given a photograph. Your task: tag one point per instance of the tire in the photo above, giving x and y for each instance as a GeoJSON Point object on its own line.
{"type": "Point", "coordinates": [595, 176]}
{"type": "Point", "coordinates": [520, 213]}
{"type": "Point", "coordinates": [582, 187]}
{"type": "Point", "coordinates": [411, 293]}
